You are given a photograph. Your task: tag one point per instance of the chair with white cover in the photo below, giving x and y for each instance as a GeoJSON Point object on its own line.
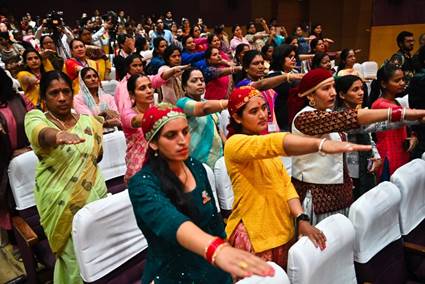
{"type": "Point", "coordinates": [280, 277]}
{"type": "Point", "coordinates": [378, 247]}
{"type": "Point", "coordinates": [112, 165]}
{"type": "Point", "coordinates": [108, 244]}
{"type": "Point", "coordinates": [211, 179]}
{"type": "Point", "coordinates": [30, 236]}
{"type": "Point", "coordinates": [359, 68]}
{"type": "Point", "coordinates": [423, 156]}
{"type": "Point", "coordinates": [224, 187]}
{"type": "Point", "coordinates": [410, 180]}
{"type": "Point", "coordinates": [370, 69]}
{"type": "Point", "coordinates": [110, 86]}
{"type": "Point", "coordinates": [334, 265]}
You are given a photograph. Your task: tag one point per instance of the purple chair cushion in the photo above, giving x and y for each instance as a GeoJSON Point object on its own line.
{"type": "Point", "coordinates": [116, 185]}
{"type": "Point", "coordinates": [387, 266]}
{"type": "Point", "coordinates": [44, 254]}
{"type": "Point", "coordinates": [416, 261]}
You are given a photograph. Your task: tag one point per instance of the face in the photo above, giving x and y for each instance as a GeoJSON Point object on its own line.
{"type": "Point", "coordinates": [324, 97]}
{"type": "Point", "coordinates": [168, 15]}
{"type": "Point", "coordinates": [162, 46]}
{"type": "Point", "coordinates": [195, 85]}
{"type": "Point", "coordinates": [128, 45]}
{"type": "Point", "coordinates": [173, 141]}
{"type": "Point", "coordinates": [215, 57]}
{"type": "Point", "coordinates": [160, 25]}
{"type": "Point", "coordinates": [299, 31]}
{"type": "Point", "coordinates": [252, 29]}
{"type": "Point", "coordinates": [179, 32]}
{"type": "Point", "coordinates": [351, 59]}
{"type": "Point", "coordinates": [136, 67]}
{"type": "Point", "coordinates": [254, 116]}
{"type": "Point", "coordinates": [86, 36]}
{"type": "Point", "coordinates": [33, 61]}
{"type": "Point", "coordinates": [318, 29]}
{"type": "Point", "coordinates": [143, 92]}
{"type": "Point", "coordinates": [289, 62]}
{"type": "Point", "coordinates": [354, 95]}
{"type": "Point", "coordinates": [242, 54]}
{"type": "Point", "coordinates": [59, 97]}
{"type": "Point", "coordinates": [408, 43]}
{"type": "Point", "coordinates": [396, 83]}
{"type": "Point", "coordinates": [175, 58]}
{"type": "Point", "coordinates": [215, 42]}
{"type": "Point", "coordinates": [174, 28]}
{"type": "Point", "coordinates": [326, 62]}
{"type": "Point", "coordinates": [269, 52]}
{"type": "Point", "coordinates": [196, 32]}
{"type": "Point", "coordinates": [190, 44]}
{"type": "Point", "coordinates": [238, 32]}
{"type": "Point", "coordinates": [320, 46]}
{"type": "Point", "coordinates": [3, 27]}
{"type": "Point", "coordinates": [78, 49]}
{"type": "Point", "coordinates": [91, 79]}
{"type": "Point", "coordinates": [256, 68]}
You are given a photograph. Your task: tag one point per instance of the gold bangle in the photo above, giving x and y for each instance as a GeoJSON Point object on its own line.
{"type": "Point", "coordinates": [220, 247]}
{"type": "Point", "coordinates": [221, 104]}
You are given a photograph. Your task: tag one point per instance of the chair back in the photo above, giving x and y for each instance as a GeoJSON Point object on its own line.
{"type": "Point", "coordinates": [280, 277]}
{"type": "Point", "coordinates": [224, 185]}
{"type": "Point", "coordinates": [370, 69]}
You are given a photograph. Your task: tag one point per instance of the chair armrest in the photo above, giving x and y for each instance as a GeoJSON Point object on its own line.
{"type": "Point", "coordinates": [25, 231]}
{"type": "Point", "coordinates": [412, 247]}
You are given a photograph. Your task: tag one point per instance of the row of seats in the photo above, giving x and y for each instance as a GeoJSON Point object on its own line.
{"type": "Point", "coordinates": [107, 240]}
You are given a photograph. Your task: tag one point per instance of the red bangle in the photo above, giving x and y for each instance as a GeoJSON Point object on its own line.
{"type": "Point", "coordinates": [212, 247]}
{"type": "Point", "coordinates": [396, 114]}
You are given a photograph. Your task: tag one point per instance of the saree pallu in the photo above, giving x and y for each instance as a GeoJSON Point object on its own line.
{"type": "Point", "coordinates": [67, 178]}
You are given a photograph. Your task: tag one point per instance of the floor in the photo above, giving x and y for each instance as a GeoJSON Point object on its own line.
{"type": "Point", "coordinates": [11, 270]}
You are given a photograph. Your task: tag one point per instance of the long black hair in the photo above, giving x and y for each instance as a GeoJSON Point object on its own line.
{"type": "Point", "coordinates": [384, 75]}
{"type": "Point", "coordinates": [129, 59]}
{"type": "Point", "coordinates": [24, 57]}
{"type": "Point", "coordinates": [169, 51]}
{"type": "Point", "coordinates": [343, 58]}
{"type": "Point", "coordinates": [343, 84]}
{"type": "Point", "coordinates": [279, 54]}
{"type": "Point", "coordinates": [6, 88]}
{"type": "Point", "coordinates": [156, 42]}
{"type": "Point", "coordinates": [317, 59]}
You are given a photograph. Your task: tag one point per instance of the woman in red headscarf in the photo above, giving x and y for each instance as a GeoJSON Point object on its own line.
{"type": "Point", "coordinates": [265, 201]}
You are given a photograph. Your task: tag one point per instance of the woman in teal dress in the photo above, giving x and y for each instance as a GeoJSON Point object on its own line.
{"type": "Point", "coordinates": [175, 209]}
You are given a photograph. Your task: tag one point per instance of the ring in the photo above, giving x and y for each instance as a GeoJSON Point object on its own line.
{"type": "Point", "coordinates": [243, 264]}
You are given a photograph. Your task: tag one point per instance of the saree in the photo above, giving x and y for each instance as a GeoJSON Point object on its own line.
{"type": "Point", "coordinates": [67, 178]}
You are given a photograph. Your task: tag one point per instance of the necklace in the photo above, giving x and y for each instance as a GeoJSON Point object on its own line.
{"type": "Point", "coordinates": [61, 122]}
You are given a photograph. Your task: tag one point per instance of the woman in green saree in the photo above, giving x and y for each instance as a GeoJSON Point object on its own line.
{"type": "Point", "coordinates": [67, 177]}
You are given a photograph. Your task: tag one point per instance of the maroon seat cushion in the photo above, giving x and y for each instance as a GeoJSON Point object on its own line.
{"type": "Point", "coordinates": [416, 261]}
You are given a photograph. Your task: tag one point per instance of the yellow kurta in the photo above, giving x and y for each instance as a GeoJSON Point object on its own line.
{"type": "Point", "coordinates": [261, 188]}
{"type": "Point", "coordinates": [32, 92]}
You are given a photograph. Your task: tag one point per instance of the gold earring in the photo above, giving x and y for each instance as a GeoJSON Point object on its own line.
{"type": "Point", "coordinates": [312, 103]}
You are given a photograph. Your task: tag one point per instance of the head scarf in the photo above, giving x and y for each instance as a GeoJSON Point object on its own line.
{"type": "Point", "coordinates": [313, 80]}
{"type": "Point", "coordinates": [88, 98]}
{"type": "Point", "coordinates": [157, 116]}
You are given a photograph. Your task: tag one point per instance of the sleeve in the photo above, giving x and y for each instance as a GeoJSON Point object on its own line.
{"type": "Point", "coordinates": [189, 58]}
{"type": "Point", "coordinates": [321, 122]}
{"type": "Point", "coordinates": [35, 121]}
{"type": "Point", "coordinates": [126, 117]}
{"type": "Point", "coordinates": [157, 80]}
{"type": "Point", "coordinates": [375, 152]}
{"type": "Point", "coordinates": [28, 104]}
{"type": "Point", "coordinates": [71, 68]}
{"type": "Point", "coordinates": [187, 105]}
{"type": "Point", "coordinates": [153, 209]}
{"type": "Point", "coordinates": [96, 36]}
{"type": "Point", "coordinates": [241, 148]}
{"type": "Point", "coordinates": [22, 79]}
{"type": "Point", "coordinates": [111, 102]}
{"type": "Point", "coordinates": [80, 105]}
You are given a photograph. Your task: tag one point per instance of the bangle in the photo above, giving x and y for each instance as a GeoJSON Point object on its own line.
{"type": "Point", "coordinates": [320, 150]}
{"type": "Point", "coordinates": [396, 115]}
{"type": "Point", "coordinates": [212, 247]}
{"type": "Point", "coordinates": [287, 78]}
{"type": "Point", "coordinates": [403, 115]}
{"type": "Point", "coordinates": [389, 115]}
{"type": "Point", "coordinates": [221, 104]}
{"type": "Point", "coordinates": [218, 249]}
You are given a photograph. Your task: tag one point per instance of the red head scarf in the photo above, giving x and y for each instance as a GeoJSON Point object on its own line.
{"type": "Point", "coordinates": [313, 80]}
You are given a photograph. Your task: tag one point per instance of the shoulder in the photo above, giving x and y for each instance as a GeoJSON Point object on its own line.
{"type": "Point", "coordinates": [35, 113]}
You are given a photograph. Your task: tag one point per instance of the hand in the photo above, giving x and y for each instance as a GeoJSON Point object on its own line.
{"type": "Point", "coordinates": [315, 235]}
{"type": "Point", "coordinates": [415, 114]}
{"type": "Point", "coordinates": [113, 122]}
{"type": "Point", "coordinates": [413, 141]}
{"type": "Point", "coordinates": [240, 263]}
{"type": "Point", "coordinates": [178, 70]}
{"type": "Point", "coordinates": [376, 164]}
{"type": "Point", "coordinates": [298, 76]}
{"type": "Point", "coordinates": [109, 114]}
{"type": "Point", "coordinates": [336, 147]}
{"type": "Point", "coordinates": [63, 137]}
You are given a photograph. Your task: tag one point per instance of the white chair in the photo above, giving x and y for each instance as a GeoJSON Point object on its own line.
{"type": "Point", "coordinates": [334, 265]}
{"type": "Point", "coordinates": [410, 179]}
{"type": "Point", "coordinates": [358, 67]}
{"type": "Point", "coordinates": [403, 101]}
{"type": "Point", "coordinates": [375, 219]}
{"type": "Point", "coordinates": [224, 121]}
{"type": "Point", "coordinates": [370, 69]}
{"type": "Point", "coordinates": [113, 74]}
{"type": "Point", "coordinates": [423, 156]}
{"type": "Point", "coordinates": [106, 236]}
{"type": "Point", "coordinates": [211, 179]}
{"type": "Point", "coordinates": [280, 277]}
{"type": "Point", "coordinates": [110, 86]}
{"type": "Point", "coordinates": [113, 161]}
{"type": "Point", "coordinates": [224, 185]}
{"type": "Point", "coordinates": [21, 173]}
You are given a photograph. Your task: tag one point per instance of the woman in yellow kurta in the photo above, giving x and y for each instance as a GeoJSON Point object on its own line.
{"type": "Point", "coordinates": [67, 177]}
{"type": "Point", "coordinates": [265, 201]}
{"type": "Point", "coordinates": [29, 79]}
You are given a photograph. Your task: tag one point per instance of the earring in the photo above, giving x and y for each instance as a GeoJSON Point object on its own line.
{"type": "Point", "coordinates": [155, 154]}
{"type": "Point", "coordinates": [312, 103]}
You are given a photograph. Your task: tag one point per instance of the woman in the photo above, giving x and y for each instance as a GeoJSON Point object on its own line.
{"type": "Point", "coordinates": [206, 144]}
{"type": "Point", "coordinates": [265, 201]}
{"type": "Point", "coordinates": [51, 60]}
{"type": "Point", "coordinates": [323, 182]}
{"type": "Point", "coordinates": [13, 142]}
{"type": "Point", "coordinates": [159, 46]}
{"type": "Point", "coordinates": [286, 104]}
{"type": "Point", "coordinates": [8, 48]}
{"type": "Point", "coordinates": [393, 145]}
{"type": "Point", "coordinates": [241, 49]}
{"type": "Point", "coordinates": [189, 54]}
{"type": "Point", "coordinates": [30, 78]}
{"type": "Point", "coordinates": [303, 42]}
{"type": "Point", "coordinates": [68, 147]}
{"type": "Point", "coordinates": [201, 42]}
{"type": "Point", "coordinates": [257, 39]}
{"type": "Point", "coordinates": [214, 41]}
{"type": "Point", "coordinates": [322, 60]}
{"type": "Point", "coordinates": [174, 207]}
{"type": "Point", "coordinates": [78, 61]}
{"type": "Point", "coordinates": [141, 94]}
{"type": "Point", "coordinates": [92, 100]}
{"type": "Point", "coordinates": [347, 59]}
{"type": "Point", "coordinates": [267, 52]}
{"type": "Point", "coordinates": [237, 38]}
{"type": "Point", "coordinates": [172, 90]}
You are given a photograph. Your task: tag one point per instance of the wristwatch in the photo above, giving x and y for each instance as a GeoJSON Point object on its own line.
{"type": "Point", "coordinates": [298, 219]}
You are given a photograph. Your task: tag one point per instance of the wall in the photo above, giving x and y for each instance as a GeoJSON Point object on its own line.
{"type": "Point", "coordinates": [398, 12]}
{"type": "Point", "coordinates": [383, 40]}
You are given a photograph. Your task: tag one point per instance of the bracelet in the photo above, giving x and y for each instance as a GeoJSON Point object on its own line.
{"type": "Point", "coordinates": [221, 104]}
{"type": "Point", "coordinates": [320, 150]}
{"type": "Point", "coordinates": [389, 115]}
{"type": "Point", "coordinates": [219, 248]}
{"type": "Point", "coordinates": [396, 115]}
{"type": "Point", "coordinates": [403, 115]}
{"type": "Point", "coordinates": [212, 247]}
